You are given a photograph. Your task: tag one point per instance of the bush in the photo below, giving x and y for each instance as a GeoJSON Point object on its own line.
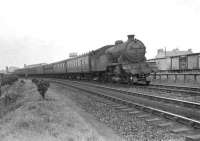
{"type": "Point", "coordinates": [42, 86]}
{"type": "Point", "coordinates": [9, 80]}
{"type": "Point", "coordinates": [35, 81]}
{"type": "Point", "coordinates": [22, 82]}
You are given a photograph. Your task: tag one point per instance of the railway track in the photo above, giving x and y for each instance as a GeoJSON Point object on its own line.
{"type": "Point", "coordinates": [165, 89]}
{"type": "Point", "coordinates": [183, 103]}
{"type": "Point", "coordinates": [179, 93]}
{"type": "Point", "coordinates": [174, 110]}
{"type": "Point", "coordinates": [193, 91]}
{"type": "Point", "coordinates": [197, 89]}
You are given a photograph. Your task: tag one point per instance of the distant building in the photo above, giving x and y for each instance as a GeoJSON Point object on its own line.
{"type": "Point", "coordinates": [7, 69]}
{"type": "Point", "coordinates": [11, 69]}
{"type": "Point", "coordinates": [34, 65]}
{"type": "Point", "coordinates": [1, 76]}
{"type": "Point", "coordinates": [2, 71]}
{"type": "Point", "coordinates": [161, 53]}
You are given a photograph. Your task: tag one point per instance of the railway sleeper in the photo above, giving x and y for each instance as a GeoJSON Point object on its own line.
{"type": "Point", "coordinates": [184, 121]}
{"type": "Point", "coordinates": [168, 116]}
{"type": "Point", "coordinates": [182, 129]}
{"type": "Point", "coordinates": [147, 110]}
{"type": "Point", "coordinates": [158, 113]}
{"type": "Point", "coordinates": [195, 125]}
{"type": "Point", "coordinates": [193, 137]}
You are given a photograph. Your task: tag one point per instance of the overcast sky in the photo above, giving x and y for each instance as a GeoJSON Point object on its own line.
{"type": "Point", "coordinates": [44, 31]}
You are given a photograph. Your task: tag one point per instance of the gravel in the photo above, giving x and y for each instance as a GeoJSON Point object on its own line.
{"type": "Point", "coordinates": [175, 95]}
{"type": "Point", "coordinates": [128, 126]}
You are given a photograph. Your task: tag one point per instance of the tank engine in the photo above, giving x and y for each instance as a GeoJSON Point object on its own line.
{"type": "Point", "coordinates": [127, 61]}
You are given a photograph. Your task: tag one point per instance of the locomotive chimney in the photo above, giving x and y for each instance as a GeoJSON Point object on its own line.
{"type": "Point", "coordinates": [131, 37]}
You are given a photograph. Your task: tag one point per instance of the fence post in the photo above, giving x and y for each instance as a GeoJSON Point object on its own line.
{"type": "Point", "coordinates": [154, 76]}
{"type": "Point", "coordinates": [195, 78]}
{"type": "Point", "coordinates": [175, 77]}
{"type": "Point", "coordinates": [160, 77]}
{"type": "Point", "coordinates": [184, 75]}
{"type": "Point", "coordinates": [167, 77]}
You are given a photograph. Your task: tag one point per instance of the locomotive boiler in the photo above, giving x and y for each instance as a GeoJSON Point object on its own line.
{"type": "Point", "coordinates": [132, 51]}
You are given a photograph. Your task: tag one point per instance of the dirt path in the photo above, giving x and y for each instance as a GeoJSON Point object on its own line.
{"type": "Point", "coordinates": [55, 119]}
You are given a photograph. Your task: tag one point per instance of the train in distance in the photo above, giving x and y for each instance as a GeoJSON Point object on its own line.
{"type": "Point", "coordinates": [121, 62]}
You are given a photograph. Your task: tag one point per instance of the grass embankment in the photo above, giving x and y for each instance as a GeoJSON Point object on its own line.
{"type": "Point", "coordinates": [27, 117]}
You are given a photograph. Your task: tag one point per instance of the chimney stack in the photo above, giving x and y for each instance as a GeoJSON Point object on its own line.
{"type": "Point", "coordinates": [7, 70]}
{"type": "Point", "coordinates": [131, 37]}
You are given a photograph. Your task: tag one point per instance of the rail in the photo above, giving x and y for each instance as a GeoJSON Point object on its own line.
{"type": "Point", "coordinates": [175, 117]}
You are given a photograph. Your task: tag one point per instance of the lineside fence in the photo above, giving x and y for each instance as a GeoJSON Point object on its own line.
{"type": "Point", "coordinates": [177, 77]}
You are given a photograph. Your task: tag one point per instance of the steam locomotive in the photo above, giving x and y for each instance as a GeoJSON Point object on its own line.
{"type": "Point", "coordinates": [122, 62]}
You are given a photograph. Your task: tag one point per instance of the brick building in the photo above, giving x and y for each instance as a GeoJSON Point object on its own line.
{"type": "Point", "coordinates": [161, 53]}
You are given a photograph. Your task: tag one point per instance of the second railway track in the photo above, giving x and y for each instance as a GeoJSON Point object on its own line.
{"type": "Point", "coordinates": [192, 91]}
{"type": "Point", "coordinates": [179, 123]}
{"type": "Point", "coordinates": [146, 103]}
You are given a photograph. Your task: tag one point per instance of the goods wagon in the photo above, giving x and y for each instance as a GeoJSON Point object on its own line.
{"type": "Point", "coordinates": [189, 62]}
{"type": "Point", "coordinates": [175, 63]}
{"type": "Point", "coordinates": [182, 62]}
{"type": "Point", "coordinates": [193, 61]}
{"type": "Point", "coordinates": [199, 62]}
